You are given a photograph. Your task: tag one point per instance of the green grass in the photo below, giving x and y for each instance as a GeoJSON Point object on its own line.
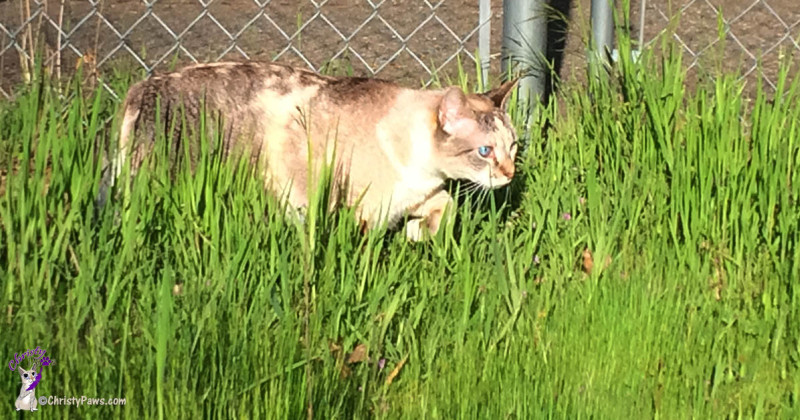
{"type": "Point", "coordinates": [691, 197]}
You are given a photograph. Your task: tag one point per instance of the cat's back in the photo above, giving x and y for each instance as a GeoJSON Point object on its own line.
{"type": "Point", "coordinates": [267, 105]}
{"type": "Point", "coordinates": [223, 83]}
{"type": "Point", "coordinates": [242, 83]}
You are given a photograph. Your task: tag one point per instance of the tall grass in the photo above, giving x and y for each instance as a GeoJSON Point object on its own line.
{"type": "Point", "coordinates": [195, 297]}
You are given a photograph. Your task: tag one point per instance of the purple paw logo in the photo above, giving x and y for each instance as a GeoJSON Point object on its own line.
{"type": "Point", "coordinates": [30, 378]}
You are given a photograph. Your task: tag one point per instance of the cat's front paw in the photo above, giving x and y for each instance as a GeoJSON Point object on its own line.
{"type": "Point", "coordinates": [416, 230]}
{"type": "Point", "coordinates": [429, 216]}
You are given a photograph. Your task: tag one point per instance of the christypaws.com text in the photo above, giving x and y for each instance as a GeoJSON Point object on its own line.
{"type": "Point", "coordinates": [82, 400]}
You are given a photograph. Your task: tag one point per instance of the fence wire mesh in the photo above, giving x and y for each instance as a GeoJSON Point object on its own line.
{"type": "Point", "coordinates": [413, 41]}
{"type": "Point", "coordinates": [391, 38]}
{"type": "Point", "coordinates": [757, 34]}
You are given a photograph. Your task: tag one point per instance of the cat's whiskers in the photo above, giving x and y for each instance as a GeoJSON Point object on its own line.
{"type": "Point", "coordinates": [470, 188]}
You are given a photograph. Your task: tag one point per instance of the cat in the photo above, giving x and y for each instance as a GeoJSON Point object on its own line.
{"type": "Point", "coordinates": [27, 393]}
{"type": "Point", "coordinates": [390, 148]}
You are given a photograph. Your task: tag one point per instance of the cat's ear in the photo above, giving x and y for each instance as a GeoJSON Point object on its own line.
{"type": "Point", "coordinates": [502, 93]}
{"type": "Point", "coordinates": [455, 116]}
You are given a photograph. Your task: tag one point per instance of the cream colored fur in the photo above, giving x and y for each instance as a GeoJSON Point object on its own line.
{"type": "Point", "coordinates": [395, 147]}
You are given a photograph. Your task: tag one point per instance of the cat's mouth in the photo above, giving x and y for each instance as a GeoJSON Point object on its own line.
{"type": "Point", "coordinates": [491, 183]}
{"type": "Point", "coordinates": [498, 183]}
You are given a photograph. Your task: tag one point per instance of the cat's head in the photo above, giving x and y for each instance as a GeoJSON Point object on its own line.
{"type": "Point", "coordinates": [477, 141]}
{"type": "Point", "coordinates": [27, 375]}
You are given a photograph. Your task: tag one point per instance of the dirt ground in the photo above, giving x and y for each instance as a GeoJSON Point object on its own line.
{"type": "Point", "coordinates": [371, 48]}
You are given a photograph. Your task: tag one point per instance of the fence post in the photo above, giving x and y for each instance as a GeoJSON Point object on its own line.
{"type": "Point", "coordinates": [525, 45]}
{"type": "Point", "coordinates": [602, 28]}
{"type": "Point", "coordinates": [484, 37]}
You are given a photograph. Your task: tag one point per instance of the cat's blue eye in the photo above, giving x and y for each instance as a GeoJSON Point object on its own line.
{"type": "Point", "coordinates": [485, 151]}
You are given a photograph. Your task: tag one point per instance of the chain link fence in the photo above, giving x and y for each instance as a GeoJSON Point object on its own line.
{"type": "Point", "coordinates": [391, 38]}
{"type": "Point", "coordinates": [412, 41]}
{"type": "Point", "coordinates": [758, 34]}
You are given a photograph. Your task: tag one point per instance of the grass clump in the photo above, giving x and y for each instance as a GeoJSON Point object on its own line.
{"type": "Point", "coordinates": [643, 264]}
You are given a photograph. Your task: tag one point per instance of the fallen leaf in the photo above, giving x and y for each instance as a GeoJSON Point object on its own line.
{"type": "Point", "coordinates": [345, 372]}
{"type": "Point", "coordinates": [359, 354]}
{"type": "Point", "coordinates": [588, 261]}
{"type": "Point", "coordinates": [89, 61]}
{"type": "Point", "coordinates": [395, 371]}
{"type": "Point", "coordinates": [335, 347]}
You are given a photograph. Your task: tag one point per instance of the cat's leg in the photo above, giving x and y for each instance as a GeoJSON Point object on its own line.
{"type": "Point", "coordinates": [290, 196]}
{"type": "Point", "coordinates": [428, 216]}
{"type": "Point", "coordinates": [297, 214]}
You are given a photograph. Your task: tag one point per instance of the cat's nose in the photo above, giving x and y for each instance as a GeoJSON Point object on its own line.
{"type": "Point", "coordinates": [507, 168]}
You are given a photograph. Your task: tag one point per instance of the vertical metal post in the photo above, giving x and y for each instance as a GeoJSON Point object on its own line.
{"type": "Point", "coordinates": [484, 36]}
{"type": "Point", "coordinates": [525, 45]}
{"type": "Point", "coordinates": [602, 27]}
{"type": "Point", "coordinates": [642, 12]}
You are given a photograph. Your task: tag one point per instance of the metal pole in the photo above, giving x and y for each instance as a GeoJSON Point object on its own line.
{"type": "Point", "coordinates": [484, 37]}
{"type": "Point", "coordinates": [525, 45]}
{"type": "Point", "coordinates": [602, 27]}
{"type": "Point", "coordinates": [641, 24]}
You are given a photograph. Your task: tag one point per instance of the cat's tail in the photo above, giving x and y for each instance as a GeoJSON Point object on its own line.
{"type": "Point", "coordinates": [112, 168]}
